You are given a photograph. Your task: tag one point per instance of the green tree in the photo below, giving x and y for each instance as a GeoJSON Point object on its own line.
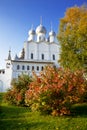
{"type": "Point", "coordinates": [21, 83]}
{"type": "Point", "coordinates": [16, 94]}
{"type": "Point", "coordinates": [72, 37]}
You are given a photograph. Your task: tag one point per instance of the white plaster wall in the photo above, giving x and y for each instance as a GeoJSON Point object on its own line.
{"type": "Point", "coordinates": [43, 49]}
{"type": "Point", "coordinates": [16, 72]}
{"type": "Point", "coordinates": [32, 49]}
{"type": "Point", "coordinates": [6, 79]}
{"type": "Point", "coordinates": [54, 49]}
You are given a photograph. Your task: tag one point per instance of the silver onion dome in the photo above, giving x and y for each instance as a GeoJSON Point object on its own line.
{"type": "Point", "coordinates": [32, 31]}
{"type": "Point", "coordinates": [52, 33]}
{"type": "Point", "coordinates": [41, 29]}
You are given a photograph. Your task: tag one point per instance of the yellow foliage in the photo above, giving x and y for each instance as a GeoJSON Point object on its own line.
{"type": "Point", "coordinates": [72, 37]}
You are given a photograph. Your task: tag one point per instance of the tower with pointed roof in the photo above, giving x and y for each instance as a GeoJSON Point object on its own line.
{"type": "Point", "coordinates": [9, 55]}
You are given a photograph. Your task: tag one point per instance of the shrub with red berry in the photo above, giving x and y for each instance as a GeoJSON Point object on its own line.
{"type": "Point", "coordinates": [55, 90]}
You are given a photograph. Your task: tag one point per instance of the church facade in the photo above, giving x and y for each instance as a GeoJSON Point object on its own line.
{"type": "Point", "coordinates": [38, 51]}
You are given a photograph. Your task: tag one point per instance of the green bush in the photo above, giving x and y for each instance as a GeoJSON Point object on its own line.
{"type": "Point", "coordinates": [16, 94]}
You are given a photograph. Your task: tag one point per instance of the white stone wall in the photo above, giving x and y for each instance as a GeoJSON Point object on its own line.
{"type": "Point", "coordinates": [37, 49]}
{"type": "Point", "coordinates": [32, 49]}
{"type": "Point", "coordinates": [54, 50]}
{"type": "Point", "coordinates": [5, 80]}
{"type": "Point", "coordinates": [43, 49]}
{"type": "Point", "coordinates": [16, 72]}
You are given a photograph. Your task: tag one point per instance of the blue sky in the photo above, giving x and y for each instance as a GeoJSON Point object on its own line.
{"type": "Point", "coordinates": [17, 16]}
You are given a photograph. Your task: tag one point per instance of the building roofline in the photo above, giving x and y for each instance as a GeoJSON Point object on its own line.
{"type": "Point", "coordinates": [46, 42]}
{"type": "Point", "coordinates": [33, 61]}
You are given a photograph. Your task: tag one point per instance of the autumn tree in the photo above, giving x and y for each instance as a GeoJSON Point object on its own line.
{"type": "Point", "coordinates": [72, 37]}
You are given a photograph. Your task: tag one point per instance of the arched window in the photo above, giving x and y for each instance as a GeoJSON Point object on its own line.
{"type": "Point", "coordinates": [23, 67]}
{"type": "Point", "coordinates": [37, 68]}
{"type": "Point", "coordinates": [53, 57]}
{"type": "Point", "coordinates": [18, 67]}
{"type": "Point", "coordinates": [42, 68]}
{"type": "Point", "coordinates": [32, 67]}
{"type": "Point", "coordinates": [28, 67]}
{"type": "Point", "coordinates": [42, 56]}
{"type": "Point", "coordinates": [31, 55]}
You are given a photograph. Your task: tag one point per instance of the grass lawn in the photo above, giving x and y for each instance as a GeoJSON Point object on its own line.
{"type": "Point", "coordinates": [20, 118]}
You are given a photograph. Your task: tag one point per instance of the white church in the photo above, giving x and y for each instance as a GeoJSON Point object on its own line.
{"type": "Point", "coordinates": [38, 52]}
